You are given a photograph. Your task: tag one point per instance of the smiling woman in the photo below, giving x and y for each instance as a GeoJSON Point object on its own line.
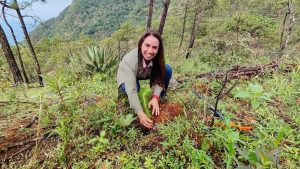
{"type": "Point", "coordinates": [145, 62]}
{"type": "Point", "coordinates": [42, 10]}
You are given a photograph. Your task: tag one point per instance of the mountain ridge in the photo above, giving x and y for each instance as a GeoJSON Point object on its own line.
{"type": "Point", "coordinates": [94, 18]}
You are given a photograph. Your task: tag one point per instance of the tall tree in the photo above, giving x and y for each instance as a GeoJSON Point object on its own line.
{"type": "Point", "coordinates": [164, 16]}
{"type": "Point", "coordinates": [10, 57]}
{"type": "Point", "coordinates": [287, 25]}
{"type": "Point", "coordinates": [150, 13]}
{"type": "Point", "coordinates": [184, 23]}
{"type": "Point", "coordinates": [36, 62]}
{"type": "Point", "coordinates": [16, 43]}
{"type": "Point", "coordinates": [200, 9]}
{"type": "Point", "coordinates": [15, 6]}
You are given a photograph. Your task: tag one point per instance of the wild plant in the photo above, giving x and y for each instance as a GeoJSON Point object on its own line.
{"type": "Point", "coordinates": [125, 121]}
{"type": "Point", "coordinates": [264, 150]}
{"type": "Point", "coordinates": [99, 60]}
{"type": "Point", "coordinates": [149, 162]}
{"type": "Point", "coordinates": [56, 84]}
{"type": "Point", "coordinates": [198, 158]}
{"type": "Point", "coordinates": [12, 97]}
{"type": "Point", "coordinates": [255, 94]}
{"type": "Point", "coordinates": [121, 122]}
{"type": "Point", "coordinates": [61, 153]}
{"type": "Point", "coordinates": [99, 143]}
{"type": "Point", "coordinates": [131, 134]}
{"type": "Point", "coordinates": [66, 113]}
{"type": "Point", "coordinates": [228, 138]}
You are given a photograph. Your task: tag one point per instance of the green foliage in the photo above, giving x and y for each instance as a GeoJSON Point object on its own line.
{"type": "Point", "coordinates": [94, 18]}
{"type": "Point", "coordinates": [255, 25]}
{"type": "Point", "coordinates": [198, 158]}
{"type": "Point", "coordinates": [99, 60]}
{"type": "Point", "coordinates": [82, 107]}
{"type": "Point", "coordinates": [125, 121]}
{"type": "Point", "coordinates": [99, 143]}
{"type": "Point", "coordinates": [228, 138]}
{"type": "Point", "coordinates": [260, 158]}
{"type": "Point", "coordinates": [63, 130]}
{"type": "Point", "coordinates": [255, 94]}
{"type": "Point", "coordinates": [56, 84]}
{"type": "Point", "coordinates": [265, 150]}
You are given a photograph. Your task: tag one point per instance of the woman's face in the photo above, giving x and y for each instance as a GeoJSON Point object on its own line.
{"type": "Point", "coordinates": [150, 47]}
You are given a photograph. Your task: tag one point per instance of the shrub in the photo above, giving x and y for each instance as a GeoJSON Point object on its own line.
{"type": "Point", "coordinates": [99, 60]}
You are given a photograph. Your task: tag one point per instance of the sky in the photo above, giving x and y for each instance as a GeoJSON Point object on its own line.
{"type": "Point", "coordinates": [45, 11]}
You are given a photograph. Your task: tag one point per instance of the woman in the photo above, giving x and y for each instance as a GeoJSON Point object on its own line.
{"type": "Point", "coordinates": [145, 62]}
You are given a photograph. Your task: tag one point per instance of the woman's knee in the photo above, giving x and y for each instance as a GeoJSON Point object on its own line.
{"type": "Point", "coordinates": [168, 70]}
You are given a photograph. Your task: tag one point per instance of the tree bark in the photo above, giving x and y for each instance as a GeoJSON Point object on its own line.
{"type": "Point", "coordinates": [290, 26]}
{"type": "Point", "coordinates": [10, 57]}
{"type": "Point", "coordinates": [283, 29]}
{"type": "Point", "coordinates": [36, 62]}
{"type": "Point", "coordinates": [16, 43]}
{"type": "Point", "coordinates": [164, 16]}
{"type": "Point", "coordinates": [150, 12]}
{"type": "Point", "coordinates": [195, 28]}
{"type": "Point", "coordinates": [184, 23]}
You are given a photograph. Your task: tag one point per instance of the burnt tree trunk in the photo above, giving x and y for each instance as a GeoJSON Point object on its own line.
{"type": "Point", "coordinates": [164, 16]}
{"type": "Point", "coordinates": [36, 62]}
{"type": "Point", "coordinates": [150, 12]}
{"type": "Point", "coordinates": [183, 24]}
{"type": "Point", "coordinates": [17, 46]}
{"type": "Point", "coordinates": [10, 57]}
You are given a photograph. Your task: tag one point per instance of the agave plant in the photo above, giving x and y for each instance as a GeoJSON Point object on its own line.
{"type": "Point", "coordinates": [98, 59]}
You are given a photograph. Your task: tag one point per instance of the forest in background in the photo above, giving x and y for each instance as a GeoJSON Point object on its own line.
{"type": "Point", "coordinates": [74, 119]}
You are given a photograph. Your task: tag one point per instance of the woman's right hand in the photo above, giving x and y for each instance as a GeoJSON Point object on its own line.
{"type": "Point", "coordinates": [144, 120]}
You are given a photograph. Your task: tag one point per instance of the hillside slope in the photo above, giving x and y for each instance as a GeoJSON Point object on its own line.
{"type": "Point", "coordinates": [95, 18]}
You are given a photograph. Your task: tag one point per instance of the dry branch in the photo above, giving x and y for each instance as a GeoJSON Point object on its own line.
{"type": "Point", "coordinates": [25, 102]}
{"type": "Point", "coordinates": [246, 72]}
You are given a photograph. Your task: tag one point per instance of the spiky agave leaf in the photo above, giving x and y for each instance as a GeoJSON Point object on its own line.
{"type": "Point", "coordinates": [98, 59]}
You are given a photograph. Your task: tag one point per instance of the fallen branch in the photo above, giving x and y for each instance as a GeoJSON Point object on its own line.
{"type": "Point", "coordinates": [28, 144]}
{"type": "Point", "coordinates": [247, 72]}
{"type": "Point", "coordinates": [9, 102]}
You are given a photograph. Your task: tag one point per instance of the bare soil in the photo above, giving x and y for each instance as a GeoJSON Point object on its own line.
{"type": "Point", "coordinates": [168, 111]}
{"type": "Point", "coordinates": [19, 137]}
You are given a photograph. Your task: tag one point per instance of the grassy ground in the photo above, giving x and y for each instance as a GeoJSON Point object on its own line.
{"type": "Point", "coordinates": [74, 122]}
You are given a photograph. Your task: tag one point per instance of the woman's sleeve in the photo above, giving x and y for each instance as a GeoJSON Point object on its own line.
{"type": "Point", "coordinates": [157, 89]}
{"type": "Point", "coordinates": [130, 87]}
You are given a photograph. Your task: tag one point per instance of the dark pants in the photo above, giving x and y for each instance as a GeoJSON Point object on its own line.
{"type": "Point", "coordinates": [168, 76]}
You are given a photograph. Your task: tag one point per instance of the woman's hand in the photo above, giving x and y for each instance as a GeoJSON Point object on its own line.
{"type": "Point", "coordinates": [144, 120]}
{"type": "Point", "coordinates": [155, 106]}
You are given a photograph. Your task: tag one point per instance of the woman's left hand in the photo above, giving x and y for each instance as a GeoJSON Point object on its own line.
{"type": "Point", "coordinates": [155, 106]}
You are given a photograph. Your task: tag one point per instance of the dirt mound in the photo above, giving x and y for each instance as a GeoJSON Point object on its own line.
{"type": "Point", "coordinates": [168, 111]}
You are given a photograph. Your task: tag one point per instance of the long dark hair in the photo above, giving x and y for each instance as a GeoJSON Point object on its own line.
{"type": "Point", "coordinates": [158, 71]}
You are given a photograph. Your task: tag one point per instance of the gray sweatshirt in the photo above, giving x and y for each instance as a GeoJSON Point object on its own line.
{"type": "Point", "coordinates": [127, 74]}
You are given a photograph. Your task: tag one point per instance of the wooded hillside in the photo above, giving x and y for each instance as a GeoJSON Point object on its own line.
{"type": "Point", "coordinates": [94, 18]}
{"type": "Point", "coordinates": [233, 100]}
